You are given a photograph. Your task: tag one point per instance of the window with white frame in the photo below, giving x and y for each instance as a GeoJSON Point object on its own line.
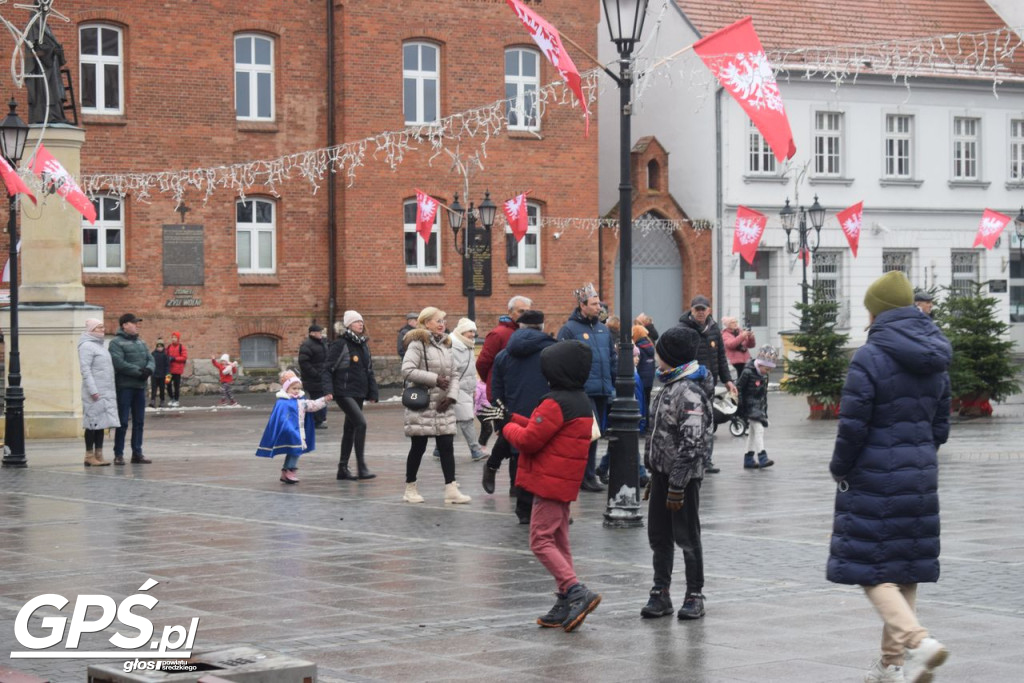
{"type": "Point", "coordinates": [255, 233]}
{"type": "Point", "coordinates": [760, 160]}
{"type": "Point", "coordinates": [421, 257]}
{"type": "Point", "coordinates": [827, 267]}
{"type": "Point", "coordinates": [899, 139]}
{"type": "Point", "coordinates": [421, 78]}
{"type": "Point", "coordinates": [898, 259]}
{"type": "Point", "coordinates": [259, 351]}
{"type": "Point", "coordinates": [254, 78]}
{"type": "Point", "coordinates": [522, 81]}
{"type": "Point", "coordinates": [964, 265]}
{"type": "Point", "coordinates": [1017, 150]}
{"type": "Point", "coordinates": [101, 69]}
{"type": "Point", "coordinates": [966, 131]}
{"type": "Point", "coordinates": [103, 241]}
{"type": "Point", "coordinates": [828, 134]}
{"type": "Point", "coordinates": [524, 256]}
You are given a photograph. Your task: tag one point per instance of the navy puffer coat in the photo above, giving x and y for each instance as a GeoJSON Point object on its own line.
{"type": "Point", "coordinates": [602, 348]}
{"type": "Point", "coordinates": [893, 415]}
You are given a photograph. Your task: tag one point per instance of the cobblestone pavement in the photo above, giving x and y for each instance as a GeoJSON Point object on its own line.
{"type": "Point", "coordinates": [345, 575]}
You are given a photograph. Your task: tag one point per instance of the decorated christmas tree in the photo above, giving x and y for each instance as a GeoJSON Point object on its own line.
{"type": "Point", "coordinates": [819, 370]}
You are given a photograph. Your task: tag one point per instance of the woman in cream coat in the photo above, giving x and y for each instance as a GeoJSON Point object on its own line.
{"type": "Point", "coordinates": [99, 395]}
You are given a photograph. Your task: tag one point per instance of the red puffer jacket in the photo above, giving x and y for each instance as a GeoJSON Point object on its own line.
{"type": "Point", "coordinates": [553, 444]}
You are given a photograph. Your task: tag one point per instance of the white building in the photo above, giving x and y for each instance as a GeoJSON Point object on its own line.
{"type": "Point", "coordinates": [926, 152]}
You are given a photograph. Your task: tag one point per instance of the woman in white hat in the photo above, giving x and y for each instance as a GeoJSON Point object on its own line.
{"type": "Point", "coordinates": [348, 378]}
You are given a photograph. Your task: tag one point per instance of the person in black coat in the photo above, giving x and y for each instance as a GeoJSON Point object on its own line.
{"type": "Point", "coordinates": [893, 416]}
{"type": "Point", "coordinates": [158, 381]}
{"type": "Point", "coordinates": [410, 325]}
{"type": "Point", "coordinates": [753, 405]}
{"type": "Point", "coordinates": [348, 378]}
{"type": "Point", "coordinates": [312, 355]}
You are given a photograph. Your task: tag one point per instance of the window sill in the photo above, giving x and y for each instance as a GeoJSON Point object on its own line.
{"type": "Point", "coordinates": [525, 135]}
{"type": "Point", "coordinates": [900, 182]}
{"type": "Point", "coordinates": [257, 126]}
{"type": "Point", "coordinates": [104, 119]}
{"type": "Point", "coordinates": [976, 184]}
{"type": "Point", "coordinates": [776, 179]}
{"type": "Point", "coordinates": [423, 279]}
{"type": "Point", "coordinates": [104, 279]}
{"type": "Point", "coordinates": [829, 180]}
{"type": "Point", "coordinates": [254, 280]}
{"type": "Point", "coordinates": [1015, 185]}
{"type": "Point", "coordinates": [524, 279]}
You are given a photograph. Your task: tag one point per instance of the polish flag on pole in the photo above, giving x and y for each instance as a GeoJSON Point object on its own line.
{"type": "Point", "coordinates": [850, 221]}
{"type": "Point", "coordinates": [804, 255]}
{"type": "Point", "coordinates": [517, 215]}
{"type": "Point", "coordinates": [748, 232]}
{"type": "Point", "coordinates": [550, 43]}
{"type": "Point", "coordinates": [13, 181]}
{"type": "Point", "coordinates": [735, 56]}
{"type": "Point", "coordinates": [56, 178]}
{"type": "Point", "coordinates": [992, 224]}
{"type": "Point", "coordinates": [426, 212]}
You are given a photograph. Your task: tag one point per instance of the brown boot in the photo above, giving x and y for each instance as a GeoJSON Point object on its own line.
{"type": "Point", "coordinates": [93, 460]}
{"type": "Point", "coordinates": [100, 462]}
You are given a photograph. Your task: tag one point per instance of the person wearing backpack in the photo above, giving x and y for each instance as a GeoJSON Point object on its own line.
{"type": "Point", "coordinates": [348, 378]}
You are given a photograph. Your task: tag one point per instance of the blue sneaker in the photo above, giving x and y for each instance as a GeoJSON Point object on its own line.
{"type": "Point", "coordinates": [582, 601]}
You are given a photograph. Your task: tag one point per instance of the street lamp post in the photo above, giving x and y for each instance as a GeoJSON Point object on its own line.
{"type": "Point", "coordinates": [471, 239]}
{"type": "Point", "coordinates": [1018, 227]}
{"type": "Point", "coordinates": [625, 24]}
{"type": "Point", "coordinates": [803, 245]}
{"type": "Point", "coordinates": [13, 134]}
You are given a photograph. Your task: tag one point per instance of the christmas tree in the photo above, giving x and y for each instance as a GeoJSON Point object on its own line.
{"type": "Point", "coordinates": [819, 371]}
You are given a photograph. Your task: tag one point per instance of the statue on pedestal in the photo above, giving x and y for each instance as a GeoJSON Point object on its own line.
{"type": "Point", "coordinates": [44, 58]}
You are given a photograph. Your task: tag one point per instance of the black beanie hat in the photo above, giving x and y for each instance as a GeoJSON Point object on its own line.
{"type": "Point", "coordinates": [678, 345]}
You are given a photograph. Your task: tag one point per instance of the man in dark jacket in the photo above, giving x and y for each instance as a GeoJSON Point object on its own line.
{"type": "Point", "coordinates": [894, 414]}
{"type": "Point", "coordinates": [410, 325]}
{"type": "Point", "coordinates": [710, 354]}
{"type": "Point", "coordinates": [517, 381]}
{"type": "Point", "coordinates": [133, 365]}
{"type": "Point", "coordinates": [312, 354]}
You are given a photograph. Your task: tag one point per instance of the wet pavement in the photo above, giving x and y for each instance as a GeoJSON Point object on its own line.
{"type": "Point", "coordinates": [346, 575]}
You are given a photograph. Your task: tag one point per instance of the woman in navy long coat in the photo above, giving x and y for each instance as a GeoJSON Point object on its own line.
{"type": "Point", "coordinates": [894, 414]}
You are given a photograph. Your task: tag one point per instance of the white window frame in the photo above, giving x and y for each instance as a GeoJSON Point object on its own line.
{"type": "Point", "coordinates": [421, 247]}
{"type": "Point", "coordinates": [828, 144]}
{"type": "Point", "coordinates": [103, 224]}
{"type": "Point", "coordinates": [760, 158]}
{"type": "Point", "coordinates": [252, 356]}
{"type": "Point", "coordinates": [966, 148]}
{"type": "Point", "coordinates": [255, 229]}
{"type": "Point", "coordinates": [419, 78]}
{"type": "Point", "coordinates": [1016, 171]}
{"type": "Point", "coordinates": [99, 62]}
{"type": "Point", "coordinates": [519, 88]}
{"type": "Point", "coordinates": [532, 230]}
{"type": "Point", "coordinates": [252, 71]}
{"type": "Point", "coordinates": [898, 151]}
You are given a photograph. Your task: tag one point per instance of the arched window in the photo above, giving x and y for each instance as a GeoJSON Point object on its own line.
{"type": "Point", "coordinates": [653, 175]}
{"type": "Point", "coordinates": [255, 236]}
{"type": "Point", "coordinates": [101, 69]}
{"type": "Point", "coordinates": [421, 83]}
{"type": "Point", "coordinates": [524, 255]}
{"type": "Point", "coordinates": [522, 81]}
{"type": "Point", "coordinates": [420, 256]}
{"type": "Point", "coordinates": [259, 351]}
{"type": "Point", "coordinates": [254, 77]}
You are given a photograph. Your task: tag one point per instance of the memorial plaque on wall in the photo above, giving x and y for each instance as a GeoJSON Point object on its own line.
{"type": "Point", "coordinates": [183, 255]}
{"type": "Point", "coordinates": [476, 270]}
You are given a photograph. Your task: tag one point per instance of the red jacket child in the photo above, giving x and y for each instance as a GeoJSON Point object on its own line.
{"type": "Point", "coordinates": [226, 368]}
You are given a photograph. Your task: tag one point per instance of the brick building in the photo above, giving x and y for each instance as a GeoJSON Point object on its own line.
{"type": "Point", "coordinates": [166, 86]}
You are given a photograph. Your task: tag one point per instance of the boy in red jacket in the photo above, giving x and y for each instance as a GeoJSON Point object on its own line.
{"type": "Point", "coordinates": [553, 444]}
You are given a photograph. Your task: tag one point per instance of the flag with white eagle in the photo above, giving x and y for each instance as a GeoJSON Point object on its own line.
{"type": "Point", "coordinates": [747, 233]}
{"type": "Point", "coordinates": [426, 212]}
{"type": "Point", "coordinates": [850, 221]}
{"type": "Point", "coordinates": [57, 179]}
{"type": "Point", "coordinates": [992, 224]}
{"type": "Point", "coordinates": [517, 215]}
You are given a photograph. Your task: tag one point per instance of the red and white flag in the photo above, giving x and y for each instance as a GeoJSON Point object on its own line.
{"type": "Point", "coordinates": [748, 232]}
{"type": "Point", "coordinates": [992, 224]}
{"type": "Point", "coordinates": [426, 212]}
{"type": "Point", "coordinates": [804, 255]}
{"type": "Point", "coordinates": [850, 221]}
{"type": "Point", "coordinates": [735, 56]}
{"type": "Point", "coordinates": [56, 178]}
{"type": "Point", "coordinates": [517, 215]}
{"type": "Point", "coordinates": [550, 43]}
{"type": "Point", "coordinates": [13, 181]}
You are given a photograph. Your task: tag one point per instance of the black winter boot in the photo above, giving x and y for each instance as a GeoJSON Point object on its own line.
{"type": "Point", "coordinates": [488, 480]}
{"type": "Point", "coordinates": [749, 463]}
{"type": "Point", "coordinates": [364, 471]}
{"type": "Point", "coordinates": [763, 460]}
{"type": "Point", "coordinates": [344, 473]}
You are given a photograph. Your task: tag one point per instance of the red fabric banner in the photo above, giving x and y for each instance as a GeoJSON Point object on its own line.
{"type": "Point", "coordinates": [13, 181]}
{"type": "Point", "coordinates": [735, 56]}
{"type": "Point", "coordinates": [426, 211]}
{"type": "Point", "coordinates": [57, 179]}
{"type": "Point", "coordinates": [992, 224]}
{"type": "Point", "coordinates": [550, 43]}
{"type": "Point", "coordinates": [749, 229]}
{"type": "Point", "coordinates": [850, 221]}
{"type": "Point", "coordinates": [516, 215]}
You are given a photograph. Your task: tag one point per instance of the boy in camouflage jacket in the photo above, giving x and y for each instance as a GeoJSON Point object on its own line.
{"type": "Point", "coordinates": [675, 454]}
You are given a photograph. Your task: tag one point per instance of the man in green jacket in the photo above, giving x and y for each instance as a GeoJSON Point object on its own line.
{"type": "Point", "coordinates": [133, 365]}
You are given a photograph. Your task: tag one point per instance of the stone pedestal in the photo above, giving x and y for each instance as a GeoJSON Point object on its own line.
{"type": "Point", "coordinates": [52, 311]}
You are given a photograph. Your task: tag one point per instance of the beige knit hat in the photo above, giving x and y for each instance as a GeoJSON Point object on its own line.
{"type": "Point", "coordinates": [892, 290]}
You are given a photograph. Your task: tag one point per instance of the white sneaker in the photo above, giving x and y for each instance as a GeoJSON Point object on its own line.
{"type": "Point", "coordinates": [921, 660]}
{"type": "Point", "coordinates": [884, 674]}
{"type": "Point", "coordinates": [411, 494]}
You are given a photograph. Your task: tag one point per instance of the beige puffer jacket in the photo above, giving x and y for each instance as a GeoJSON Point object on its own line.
{"type": "Point", "coordinates": [417, 370]}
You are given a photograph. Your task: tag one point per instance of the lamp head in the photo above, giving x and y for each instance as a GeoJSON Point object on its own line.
{"type": "Point", "coordinates": [788, 217]}
{"type": "Point", "coordinates": [487, 210]}
{"type": "Point", "coordinates": [456, 214]}
{"type": "Point", "coordinates": [625, 22]}
{"type": "Point", "coordinates": [13, 134]}
{"type": "Point", "coordinates": [1018, 225]}
{"type": "Point", "coordinates": [817, 213]}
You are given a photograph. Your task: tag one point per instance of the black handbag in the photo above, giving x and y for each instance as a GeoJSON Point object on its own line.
{"type": "Point", "coordinates": [414, 396]}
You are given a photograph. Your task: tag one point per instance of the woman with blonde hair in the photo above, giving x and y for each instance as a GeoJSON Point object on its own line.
{"type": "Point", "coordinates": [429, 363]}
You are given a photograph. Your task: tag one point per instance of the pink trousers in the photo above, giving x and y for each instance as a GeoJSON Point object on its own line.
{"type": "Point", "coordinates": [549, 540]}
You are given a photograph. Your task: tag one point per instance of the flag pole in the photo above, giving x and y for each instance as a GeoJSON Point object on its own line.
{"type": "Point", "coordinates": [579, 47]}
{"type": "Point", "coordinates": [672, 56]}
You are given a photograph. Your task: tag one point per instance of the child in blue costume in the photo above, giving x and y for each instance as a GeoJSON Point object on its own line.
{"type": "Point", "coordinates": [291, 430]}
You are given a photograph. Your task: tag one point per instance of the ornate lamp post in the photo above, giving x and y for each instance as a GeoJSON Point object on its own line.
{"type": "Point", "coordinates": [13, 134]}
{"type": "Point", "coordinates": [625, 24]}
{"type": "Point", "coordinates": [475, 241]}
{"type": "Point", "coordinates": [803, 244]}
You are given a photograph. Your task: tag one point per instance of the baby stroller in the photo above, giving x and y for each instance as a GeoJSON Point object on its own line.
{"type": "Point", "coordinates": [725, 410]}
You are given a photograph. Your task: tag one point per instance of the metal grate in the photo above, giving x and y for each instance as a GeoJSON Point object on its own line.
{"type": "Point", "coordinates": [964, 266]}
{"type": "Point", "coordinates": [653, 244]}
{"type": "Point", "coordinates": [897, 260]}
{"type": "Point", "coordinates": [827, 267]}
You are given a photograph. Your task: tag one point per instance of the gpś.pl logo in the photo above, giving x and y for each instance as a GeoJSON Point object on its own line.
{"type": "Point", "coordinates": [175, 641]}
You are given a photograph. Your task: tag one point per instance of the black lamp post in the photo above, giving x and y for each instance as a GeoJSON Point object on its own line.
{"type": "Point", "coordinates": [1018, 227]}
{"type": "Point", "coordinates": [625, 24]}
{"type": "Point", "coordinates": [13, 134]}
{"type": "Point", "coordinates": [803, 244]}
{"type": "Point", "coordinates": [472, 237]}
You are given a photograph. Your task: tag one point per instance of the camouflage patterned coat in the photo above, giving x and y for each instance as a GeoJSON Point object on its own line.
{"type": "Point", "coordinates": [680, 429]}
